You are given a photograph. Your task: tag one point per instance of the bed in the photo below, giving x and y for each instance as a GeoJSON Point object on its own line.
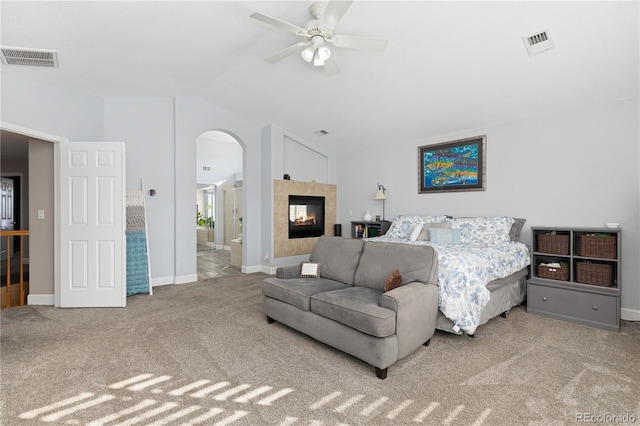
{"type": "Point", "coordinates": [483, 266]}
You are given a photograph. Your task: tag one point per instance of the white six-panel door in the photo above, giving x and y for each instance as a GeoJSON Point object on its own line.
{"type": "Point", "coordinates": [92, 243]}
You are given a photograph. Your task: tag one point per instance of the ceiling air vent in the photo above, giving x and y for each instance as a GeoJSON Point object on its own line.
{"type": "Point", "coordinates": [538, 42]}
{"type": "Point", "coordinates": [320, 132]}
{"type": "Point", "coordinates": [32, 57]}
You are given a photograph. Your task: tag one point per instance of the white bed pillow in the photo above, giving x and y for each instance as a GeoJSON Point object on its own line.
{"type": "Point", "coordinates": [414, 231]}
{"type": "Point", "coordinates": [401, 224]}
{"type": "Point", "coordinates": [483, 230]}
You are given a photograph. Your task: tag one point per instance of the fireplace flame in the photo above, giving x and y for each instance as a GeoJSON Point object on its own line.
{"type": "Point", "coordinates": [305, 220]}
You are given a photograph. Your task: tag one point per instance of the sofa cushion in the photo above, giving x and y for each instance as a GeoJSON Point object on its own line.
{"type": "Point", "coordinates": [356, 307]}
{"type": "Point", "coordinates": [379, 259]}
{"type": "Point", "coordinates": [297, 291]}
{"type": "Point", "coordinates": [339, 257]}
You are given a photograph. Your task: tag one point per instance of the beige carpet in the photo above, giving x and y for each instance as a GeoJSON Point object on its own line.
{"type": "Point", "coordinates": [203, 353]}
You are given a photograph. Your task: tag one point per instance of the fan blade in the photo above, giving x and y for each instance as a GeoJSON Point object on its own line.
{"type": "Point", "coordinates": [360, 43]}
{"type": "Point", "coordinates": [331, 67]}
{"type": "Point", "coordinates": [285, 52]}
{"type": "Point", "coordinates": [278, 23]}
{"type": "Point", "coordinates": [333, 13]}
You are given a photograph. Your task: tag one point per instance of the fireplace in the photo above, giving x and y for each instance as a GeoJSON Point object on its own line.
{"type": "Point", "coordinates": [306, 216]}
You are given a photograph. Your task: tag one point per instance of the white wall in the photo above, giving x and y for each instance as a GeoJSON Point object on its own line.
{"type": "Point", "coordinates": [145, 125]}
{"type": "Point", "coordinates": [49, 109]}
{"type": "Point", "coordinates": [578, 168]}
{"type": "Point", "coordinates": [304, 164]}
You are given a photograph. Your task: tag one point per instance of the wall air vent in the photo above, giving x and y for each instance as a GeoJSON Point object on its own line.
{"type": "Point", "coordinates": [538, 42]}
{"type": "Point", "coordinates": [320, 132]}
{"type": "Point", "coordinates": [31, 57]}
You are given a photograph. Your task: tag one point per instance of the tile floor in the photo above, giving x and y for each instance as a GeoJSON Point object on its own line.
{"type": "Point", "coordinates": [214, 263]}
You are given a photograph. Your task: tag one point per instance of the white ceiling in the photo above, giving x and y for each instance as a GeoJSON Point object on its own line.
{"type": "Point", "coordinates": [449, 66]}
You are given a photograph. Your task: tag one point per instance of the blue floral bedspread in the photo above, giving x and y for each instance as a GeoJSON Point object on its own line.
{"type": "Point", "coordinates": [464, 272]}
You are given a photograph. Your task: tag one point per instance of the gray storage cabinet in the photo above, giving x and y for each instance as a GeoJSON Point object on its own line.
{"type": "Point", "coordinates": [585, 289]}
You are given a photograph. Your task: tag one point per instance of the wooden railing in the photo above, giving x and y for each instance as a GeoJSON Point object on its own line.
{"type": "Point", "coordinates": [10, 235]}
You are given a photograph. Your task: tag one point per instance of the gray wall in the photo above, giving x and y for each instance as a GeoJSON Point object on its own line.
{"type": "Point", "coordinates": [577, 168]}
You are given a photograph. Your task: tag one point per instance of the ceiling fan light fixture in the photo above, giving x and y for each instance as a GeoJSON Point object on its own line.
{"type": "Point", "coordinates": [308, 53]}
{"type": "Point", "coordinates": [317, 60]}
{"type": "Point", "coordinates": [323, 53]}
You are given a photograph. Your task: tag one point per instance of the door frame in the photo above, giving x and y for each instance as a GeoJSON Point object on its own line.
{"type": "Point", "coordinates": [47, 137]}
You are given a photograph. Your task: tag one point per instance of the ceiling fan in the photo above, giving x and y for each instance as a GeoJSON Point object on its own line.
{"type": "Point", "coordinates": [318, 34]}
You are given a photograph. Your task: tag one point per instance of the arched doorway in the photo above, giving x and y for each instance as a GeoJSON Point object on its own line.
{"type": "Point", "coordinates": [219, 203]}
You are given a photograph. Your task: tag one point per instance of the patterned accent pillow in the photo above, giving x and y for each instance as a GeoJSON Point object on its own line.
{"type": "Point", "coordinates": [444, 235]}
{"type": "Point", "coordinates": [401, 224]}
{"type": "Point", "coordinates": [424, 234]}
{"type": "Point", "coordinates": [310, 270]}
{"type": "Point", "coordinates": [394, 280]}
{"type": "Point", "coordinates": [484, 230]}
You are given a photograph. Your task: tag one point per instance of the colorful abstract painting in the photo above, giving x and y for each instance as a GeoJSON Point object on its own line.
{"type": "Point", "coordinates": [452, 166]}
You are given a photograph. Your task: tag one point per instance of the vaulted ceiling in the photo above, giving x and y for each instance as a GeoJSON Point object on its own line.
{"type": "Point", "coordinates": [449, 66]}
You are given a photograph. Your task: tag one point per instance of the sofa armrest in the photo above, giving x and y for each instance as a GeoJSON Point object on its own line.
{"type": "Point", "coordinates": [288, 271]}
{"type": "Point", "coordinates": [416, 308]}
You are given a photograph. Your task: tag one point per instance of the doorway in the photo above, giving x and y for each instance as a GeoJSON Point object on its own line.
{"type": "Point", "coordinates": [29, 154]}
{"type": "Point", "coordinates": [8, 215]}
{"type": "Point", "coordinates": [219, 165]}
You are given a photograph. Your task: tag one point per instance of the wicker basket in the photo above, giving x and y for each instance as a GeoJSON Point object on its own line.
{"type": "Point", "coordinates": [561, 274]}
{"type": "Point", "coordinates": [594, 273]}
{"type": "Point", "coordinates": [553, 243]}
{"type": "Point", "coordinates": [602, 246]}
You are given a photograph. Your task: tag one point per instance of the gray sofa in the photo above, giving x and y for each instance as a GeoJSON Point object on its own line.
{"type": "Point", "coordinates": [347, 308]}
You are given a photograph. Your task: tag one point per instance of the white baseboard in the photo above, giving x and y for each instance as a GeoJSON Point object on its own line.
{"type": "Point", "coordinates": [157, 282]}
{"type": "Point", "coordinates": [41, 299]}
{"type": "Point", "coordinates": [630, 314]}
{"type": "Point", "coordinates": [271, 270]}
{"type": "Point", "coordinates": [184, 279]}
{"type": "Point", "coordinates": [251, 269]}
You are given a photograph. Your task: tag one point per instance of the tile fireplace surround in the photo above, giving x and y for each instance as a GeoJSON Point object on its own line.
{"type": "Point", "coordinates": [282, 245]}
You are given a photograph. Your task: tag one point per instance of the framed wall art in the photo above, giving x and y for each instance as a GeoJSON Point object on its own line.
{"type": "Point", "coordinates": [457, 165]}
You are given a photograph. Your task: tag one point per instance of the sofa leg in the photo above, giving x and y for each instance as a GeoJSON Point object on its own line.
{"type": "Point", "coordinates": [426, 343]}
{"type": "Point", "coordinates": [381, 373]}
{"type": "Point", "coordinates": [270, 320]}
